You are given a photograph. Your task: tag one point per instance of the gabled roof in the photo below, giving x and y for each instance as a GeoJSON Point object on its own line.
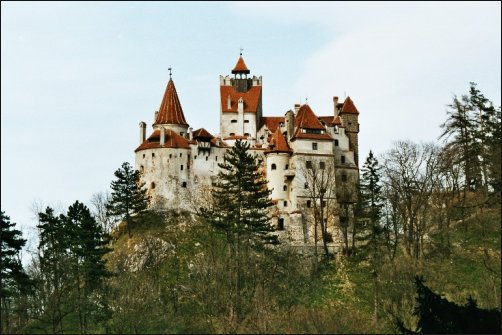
{"type": "Point", "coordinates": [328, 120]}
{"type": "Point", "coordinates": [202, 134]}
{"type": "Point", "coordinates": [251, 98]}
{"type": "Point", "coordinates": [240, 67]}
{"type": "Point", "coordinates": [307, 119]}
{"type": "Point", "coordinates": [272, 122]}
{"type": "Point", "coordinates": [170, 111]}
{"type": "Point", "coordinates": [349, 107]}
{"type": "Point", "coordinates": [172, 140]}
{"type": "Point", "coordinates": [337, 121]}
{"type": "Point", "coordinates": [278, 143]}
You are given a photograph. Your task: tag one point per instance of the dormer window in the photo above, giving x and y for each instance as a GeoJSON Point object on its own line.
{"type": "Point", "coordinates": [232, 134]}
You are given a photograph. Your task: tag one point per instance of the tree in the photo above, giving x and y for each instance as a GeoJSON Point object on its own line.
{"type": "Point", "coordinates": [128, 195]}
{"type": "Point", "coordinates": [240, 211]}
{"type": "Point", "coordinates": [13, 276]}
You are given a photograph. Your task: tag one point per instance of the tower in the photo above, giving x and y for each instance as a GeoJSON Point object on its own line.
{"type": "Point", "coordinates": [350, 117]}
{"type": "Point", "coordinates": [170, 115]}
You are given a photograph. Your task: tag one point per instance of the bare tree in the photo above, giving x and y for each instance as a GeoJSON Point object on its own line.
{"type": "Point", "coordinates": [98, 204]}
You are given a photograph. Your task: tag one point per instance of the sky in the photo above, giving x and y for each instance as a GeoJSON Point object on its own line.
{"type": "Point", "coordinates": [77, 78]}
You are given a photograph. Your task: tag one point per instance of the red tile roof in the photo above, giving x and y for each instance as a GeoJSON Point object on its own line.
{"type": "Point", "coordinates": [278, 143]}
{"type": "Point", "coordinates": [328, 120]}
{"type": "Point", "coordinates": [272, 122]}
{"type": "Point", "coordinates": [307, 119]}
{"type": "Point", "coordinates": [251, 98]}
{"type": "Point", "coordinates": [172, 140]}
{"type": "Point", "coordinates": [240, 67]}
{"type": "Point", "coordinates": [299, 134]}
{"type": "Point", "coordinates": [349, 107]}
{"type": "Point", "coordinates": [337, 121]}
{"type": "Point", "coordinates": [202, 133]}
{"type": "Point", "coordinates": [170, 111]}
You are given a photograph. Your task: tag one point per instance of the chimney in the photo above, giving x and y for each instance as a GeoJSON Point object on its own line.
{"type": "Point", "coordinates": [335, 108]}
{"type": "Point", "coordinates": [142, 132]}
{"type": "Point", "coordinates": [229, 102]}
{"type": "Point", "coordinates": [155, 117]}
{"type": "Point", "coordinates": [162, 136]}
{"type": "Point", "coordinates": [290, 123]}
{"type": "Point", "coordinates": [297, 108]}
{"type": "Point", "coordinates": [190, 133]}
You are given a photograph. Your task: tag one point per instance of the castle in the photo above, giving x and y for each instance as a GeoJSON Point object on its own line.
{"type": "Point", "coordinates": [310, 161]}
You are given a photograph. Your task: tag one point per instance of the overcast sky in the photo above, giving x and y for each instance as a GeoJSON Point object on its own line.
{"type": "Point", "coordinates": [77, 78]}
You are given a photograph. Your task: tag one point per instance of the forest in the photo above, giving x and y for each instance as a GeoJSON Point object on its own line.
{"type": "Point", "coordinates": [424, 252]}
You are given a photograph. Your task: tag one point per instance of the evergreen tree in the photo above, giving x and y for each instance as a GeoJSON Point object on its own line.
{"type": "Point", "coordinates": [128, 195]}
{"type": "Point", "coordinates": [14, 279]}
{"type": "Point", "coordinates": [241, 200]}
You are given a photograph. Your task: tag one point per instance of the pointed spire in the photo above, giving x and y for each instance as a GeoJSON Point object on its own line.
{"type": "Point", "coordinates": [278, 143]}
{"type": "Point", "coordinates": [170, 111]}
{"type": "Point", "coordinates": [349, 107]}
{"type": "Point", "coordinates": [240, 67]}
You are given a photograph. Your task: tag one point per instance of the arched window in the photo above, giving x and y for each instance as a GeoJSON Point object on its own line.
{"type": "Point", "coordinates": [152, 185]}
{"type": "Point", "coordinates": [284, 188]}
{"type": "Point", "coordinates": [153, 154]}
{"type": "Point", "coordinates": [184, 184]}
{"type": "Point", "coordinates": [274, 166]}
{"type": "Point", "coordinates": [142, 169]}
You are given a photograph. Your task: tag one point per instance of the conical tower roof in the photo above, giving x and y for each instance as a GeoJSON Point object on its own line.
{"type": "Point", "coordinates": [170, 111]}
{"type": "Point", "coordinates": [240, 67]}
{"type": "Point", "coordinates": [278, 143]}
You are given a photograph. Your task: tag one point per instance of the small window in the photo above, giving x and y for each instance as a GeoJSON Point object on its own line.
{"type": "Point", "coordinates": [207, 157]}
{"type": "Point", "coordinates": [284, 188]}
{"type": "Point", "coordinates": [152, 185]}
{"type": "Point", "coordinates": [216, 158]}
{"type": "Point", "coordinates": [280, 224]}
{"type": "Point", "coordinates": [181, 154]}
{"type": "Point", "coordinates": [195, 157]}
{"type": "Point", "coordinates": [314, 146]}
{"type": "Point", "coordinates": [286, 167]}
{"type": "Point", "coordinates": [246, 134]}
{"type": "Point", "coordinates": [324, 203]}
{"type": "Point", "coordinates": [309, 203]}
{"type": "Point", "coordinates": [181, 167]}
{"type": "Point", "coordinates": [233, 121]}
{"type": "Point", "coordinates": [274, 166]}
{"type": "Point", "coordinates": [232, 134]}
{"type": "Point", "coordinates": [143, 155]}
{"type": "Point", "coordinates": [306, 186]}
{"type": "Point", "coordinates": [344, 177]}
{"type": "Point", "coordinates": [309, 164]}
{"type": "Point", "coordinates": [153, 154]}
{"type": "Point", "coordinates": [184, 184]}
{"type": "Point", "coordinates": [246, 121]}
{"type": "Point", "coordinates": [343, 159]}
{"type": "Point", "coordinates": [141, 169]}
{"type": "Point", "coordinates": [285, 203]}
{"type": "Point", "coordinates": [170, 156]}
{"type": "Point", "coordinates": [322, 165]}
{"type": "Point", "coordinates": [336, 143]}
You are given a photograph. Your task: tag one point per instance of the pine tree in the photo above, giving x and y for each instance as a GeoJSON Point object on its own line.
{"type": "Point", "coordinates": [14, 279]}
{"type": "Point", "coordinates": [128, 195]}
{"type": "Point", "coordinates": [241, 199]}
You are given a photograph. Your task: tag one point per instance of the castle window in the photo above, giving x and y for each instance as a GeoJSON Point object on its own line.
{"type": "Point", "coordinates": [322, 165]}
{"type": "Point", "coordinates": [336, 143]}
{"type": "Point", "coordinates": [280, 224]}
{"type": "Point", "coordinates": [181, 133]}
{"type": "Point", "coordinates": [143, 155]}
{"type": "Point", "coordinates": [309, 203]}
{"type": "Point", "coordinates": [246, 121]}
{"type": "Point", "coordinates": [309, 164]}
{"type": "Point", "coordinates": [232, 134]}
{"type": "Point", "coordinates": [153, 154]}
{"type": "Point", "coordinates": [152, 185]}
{"type": "Point", "coordinates": [194, 157]}
{"type": "Point", "coordinates": [233, 121]}
{"type": "Point", "coordinates": [246, 134]}
{"type": "Point", "coordinates": [284, 188]}
{"type": "Point", "coordinates": [274, 166]}
{"type": "Point", "coordinates": [141, 169]}
{"type": "Point", "coordinates": [285, 203]}
{"type": "Point", "coordinates": [181, 154]}
{"type": "Point", "coordinates": [350, 123]}
{"type": "Point", "coordinates": [343, 159]}
{"type": "Point", "coordinates": [170, 156]}
{"type": "Point", "coordinates": [286, 167]}
{"type": "Point", "coordinates": [181, 167]}
{"type": "Point", "coordinates": [207, 157]}
{"type": "Point", "coordinates": [314, 146]}
{"type": "Point", "coordinates": [216, 158]}
{"type": "Point", "coordinates": [306, 186]}
{"type": "Point", "coordinates": [184, 184]}
{"type": "Point", "coordinates": [344, 177]}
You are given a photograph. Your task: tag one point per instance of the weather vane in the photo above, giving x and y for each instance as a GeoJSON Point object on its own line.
{"type": "Point", "coordinates": [170, 73]}
{"type": "Point", "coordinates": [242, 49]}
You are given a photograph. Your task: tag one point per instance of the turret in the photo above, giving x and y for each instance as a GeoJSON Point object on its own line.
{"type": "Point", "coordinates": [142, 132]}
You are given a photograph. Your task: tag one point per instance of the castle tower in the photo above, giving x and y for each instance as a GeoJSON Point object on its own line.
{"type": "Point", "coordinates": [350, 116]}
{"type": "Point", "coordinates": [170, 115]}
{"type": "Point", "coordinates": [241, 109]}
{"type": "Point", "coordinates": [277, 156]}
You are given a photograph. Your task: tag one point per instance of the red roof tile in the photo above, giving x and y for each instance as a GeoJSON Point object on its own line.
{"type": "Point", "coordinates": [307, 119]}
{"type": "Point", "coordinates": [299, 134]}
{"type": "Point", "coordinates": [240, 67]}
{"type": "Point", "coordinates": [272, 122]}
{"type": "Point", "coordinates": [172, 140]}
{"type": "Point", "coordinates": [251, 98]}
{"type": "Point", "coordinates": [328, 120]}
{"type": "Point", "coordinates": [202, 133]}
{"type": "Point", "coordinates": [349, 107]}
{"type": "Point", "coordinates": [278, 143]}
{"type": "Point", "coordinates": [170, 111]}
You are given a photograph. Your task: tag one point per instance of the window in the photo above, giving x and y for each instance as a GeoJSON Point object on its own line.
{"type": "Point", "coordinates": [324, 203]}
{"type": "Point", "coordinates": [280, 224]}
{"type": "Point", "coordinates": [306, 186]}
{"type": "Point", "coordinates": [232, 134]}
{"type": "Point", "coordinates": [285, 203]}
{"type": "Point", "coordinates": [141, 169]}
{"type": "Point", "coordinates": [286, 167]}
{"type": "Point", "coordinates": [181, 154]}
{"type": "Point", "coordinates": [322, 165]}
{"type": "Point", "coordinates": [314, 146]}
{"type": "Point", "coordinates": [184, 184]}
{"type": "Point", "coordinates": [143, 155]}
{"type": "Point", "coordinates": [207, 157]}
{"type": "Point", "coordinates": [343, 159]}
{"type": "Point", "coordinates": [152, 185]}
{"type": "Point", "coordinates": [309, 164]}
{"type": "Point", "coordinates": [312, 131]}
{"type": "Point", "coordinates": [181, 167]}
{"type": "Point", "coordinates": [181, 133]}
{"type": "Point", "coordinates": [246, 121]}
{"type": "Point", "coordinates": [309, 203]}
{"type": "Point", "coordinates": [246, 134]}
{"type": "Point", "coordinates": [274, 166]}
{"type": "Point", "coordinates": [336, 143]}
{"type": "Point", "coordinates": [195, 157]}
{"type": "Point", "coordinates": [170, 156]}
{"type": "Point", "coordinates": [216, 158]}
{"type": "Point", "coordinates": [344, 177]}
{"type": "Point", "coordinates": [284, 188]}
{"type": "Point", "coordinates": [153, 154]}
{"type": "Point", "coordinates": [233, 121]}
